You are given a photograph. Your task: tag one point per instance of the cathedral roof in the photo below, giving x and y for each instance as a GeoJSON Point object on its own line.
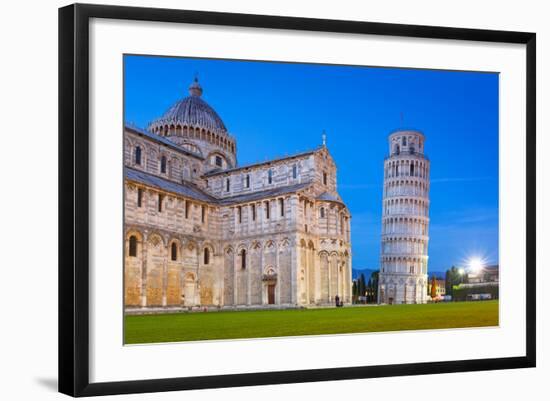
{"type": "Point", "coordinates": [186, 189]}
{"type": "Point", "coordinates": [162, 140]}
{"type": "Point", "coordinates": [191, 191]}
{"type": "Point", "coordinates": [192, 111]}
{"type": "Point", "coordinates": [326, 196]}
{"type": "Point", "coordinates": [230, 170]}
{"type": "Point", "coordinates": [253, 196]}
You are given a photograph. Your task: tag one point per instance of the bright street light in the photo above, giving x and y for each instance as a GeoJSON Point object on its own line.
{"type": "Point", "coordinates": [475, 265]}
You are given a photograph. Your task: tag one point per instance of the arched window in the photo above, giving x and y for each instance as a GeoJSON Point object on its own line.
{"type": "Point", "coordinates": [160, 203]}
{"type": "Point", "coordinates": [412, 169]}
{"type": "Point", "coordinates": [227, 185]}
{"type": "Point", "coordinates": [247, 181]}
{"type": "Point", "coordinates": [206, 256]}
{"type": "Point", "coordinates": [243, 259]}
{"type": "Point", "coordinates": [269, 176]}
{"type": "Point", "coordinates": [163, 165]}
{"type": "Point", "coordinates": [404, 141]}
{"type": "Point", "coordinates": [267, 206]}
{"type": "Point", "coordinates": [138, 155]}
{"type": "Point", "coordinates": [132, 248]}
{"type": "Point", "coordinates": [174, 252]}
{"type": "Point", "coordinates": [322, 212]}
{"type": "Point", "coordinates": [294, 171]}
{"type": "Point", "coordinates": [325, 179]}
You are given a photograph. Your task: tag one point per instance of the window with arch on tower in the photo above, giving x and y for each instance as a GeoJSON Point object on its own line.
{"type": "Point", "coordinates": [243, 259]}
{"type": "Point", "coordinates": [206, 256]}
{"type": "Point", "coordinates": [174, 251]}
{"type": "Point", "coordinates": [138, 155]}
{"type": "Point", "coordinates": [160, 199]}
{"type": "Point", "coordinates": [132, 246]}
{"type": "Point", "coordinates": [267, 206]}
{"type": "Point", "coordinates": [163, 165]}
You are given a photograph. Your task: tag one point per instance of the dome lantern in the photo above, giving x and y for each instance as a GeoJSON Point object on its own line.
{"type": "Point", "coordinates": [195, 89]}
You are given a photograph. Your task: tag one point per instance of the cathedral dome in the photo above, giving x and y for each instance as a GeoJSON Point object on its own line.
{"type": "Point", "coordinates": [191, 111]}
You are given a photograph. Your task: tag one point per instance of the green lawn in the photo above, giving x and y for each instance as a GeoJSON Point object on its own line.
{"type": "Point", "coordinates": [276, 323]}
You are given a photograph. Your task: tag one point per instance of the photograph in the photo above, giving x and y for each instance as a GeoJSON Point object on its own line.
{"type": "Point", "coordinates": [271, 199]}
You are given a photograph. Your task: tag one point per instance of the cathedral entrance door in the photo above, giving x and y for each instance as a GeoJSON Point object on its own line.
{"type": "Point", "coordinates": [271, 294]}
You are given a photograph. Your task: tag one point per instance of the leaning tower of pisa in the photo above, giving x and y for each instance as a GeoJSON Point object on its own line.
{"type": "Point", "coordinates": [404, 251]}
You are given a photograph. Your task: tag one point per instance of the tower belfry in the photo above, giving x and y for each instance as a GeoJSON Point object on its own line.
{"type": "Point", "coordinates": [405, 220]}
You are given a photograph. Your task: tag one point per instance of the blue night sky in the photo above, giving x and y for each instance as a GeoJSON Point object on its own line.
{"type": "Point", "coordinates": [275, 109]}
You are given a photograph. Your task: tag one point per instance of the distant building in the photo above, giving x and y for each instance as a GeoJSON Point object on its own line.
{"type": "Point", "coordinates": [481, 285]}
{"type": "Point", "coordinates": [487, 274]}
{"type": "Point", "coordinates": [439, 287]}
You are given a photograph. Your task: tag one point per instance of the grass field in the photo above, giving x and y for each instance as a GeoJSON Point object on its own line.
{"type": "Point", "coordinates": [171, 327]}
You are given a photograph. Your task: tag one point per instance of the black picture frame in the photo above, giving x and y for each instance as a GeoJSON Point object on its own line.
{"type": "Point", "coordinates": [74, 198]}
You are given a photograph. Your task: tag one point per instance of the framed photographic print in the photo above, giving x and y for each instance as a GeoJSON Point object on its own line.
{"type": "Point", "coordinates": [250, 199]}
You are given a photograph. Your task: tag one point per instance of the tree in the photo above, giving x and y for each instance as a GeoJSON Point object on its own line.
{"type": "Point", "coordinates": [434, 288]}
{"type": "Point", "coordinates": [453, 278]}
{"type": "Point", "coordinates": [354, 291]}
{"type": "Point", "coordinates": [362, 287]}
{"type": "Point", "coordinates": [369, 291]}
{"type": "Point", "coordinates": [374, 277]}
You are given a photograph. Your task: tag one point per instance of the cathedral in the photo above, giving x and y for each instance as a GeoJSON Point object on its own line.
{"type": "Point", "coordinates": [202, 231]}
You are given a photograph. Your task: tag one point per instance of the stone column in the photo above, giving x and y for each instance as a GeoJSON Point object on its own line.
{"type": "Point", "coordinates": [248, 282]}
{"type": "Point", "coordinates": [235, 282]}
{"type": "Point", "coordinates": [305, 264]}
{"type": "Point", "coordinates": [221, 276]}
{"type": "Point", "coordinates": [181, 252]}
{"type": "Point", "coordinates": [197, 292]}
{"type": "Point", "coordinates": [349, 278]}
{"type": "Point", "coordinates": [164, 279]}
{"type": "Point", "coordinates": [329, 264]}
{"type": "Point", "coordinates": [278, 272]}
{"type": "Point", "coordinates": [338, 280]}
{"type": "Point", "coordinates": [261, 268]}
{"type": "Point", "coordinates": [293, 273]}
{"type": "Point", "coordinates": [317, 267]}
{"type": "Point", "coordinates": [143, 271]}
